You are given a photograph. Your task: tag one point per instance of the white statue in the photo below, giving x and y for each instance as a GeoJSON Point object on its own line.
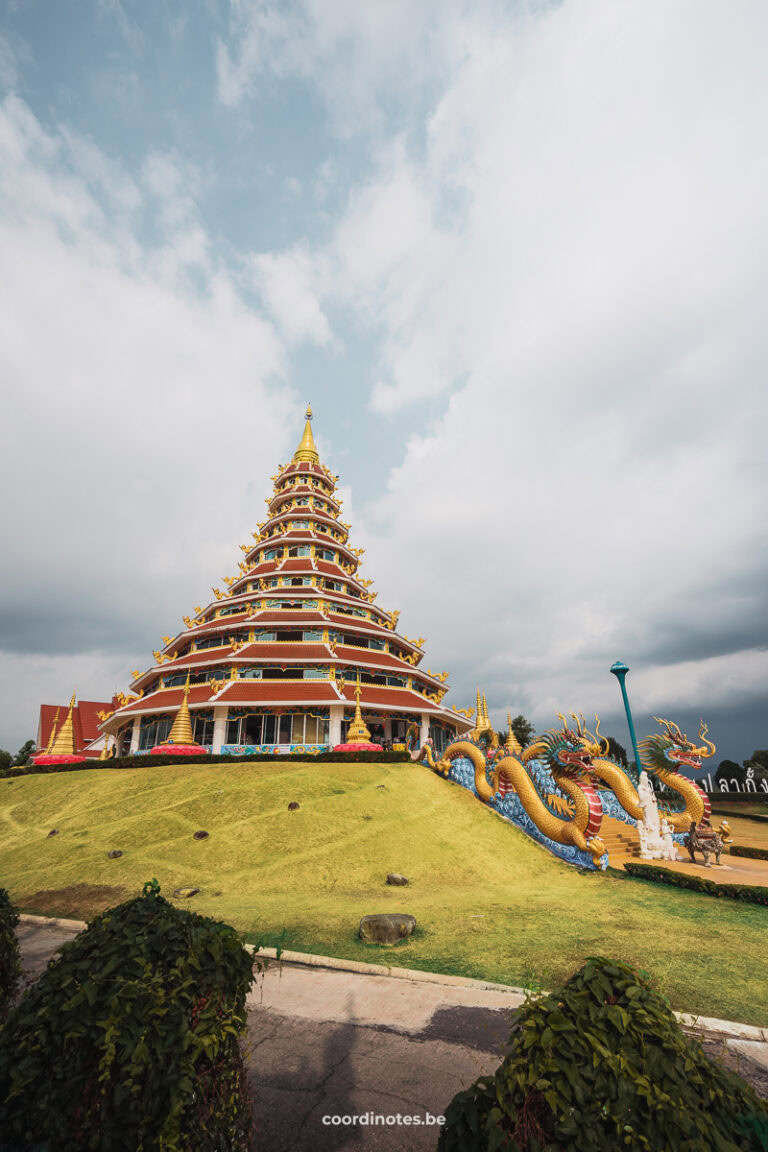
{"type": "Point", "coordinates": [670, 848]}
{"type": "Point", "coordinates": [655, 835]}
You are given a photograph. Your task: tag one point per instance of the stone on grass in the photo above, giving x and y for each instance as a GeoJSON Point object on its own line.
{"type": "Point", "coordinates": [185, 893]}
{"type": "Point", "coordinates": [201, 835]}
{"type": "Point", "coordinates": [53, 832]}
{"type": "Point", "coordinates": [293, 805]}
{"type": "Point", "coordinates": [115, 854]}
{"type": "Point", "coordinates": [386, 927]}
{"type": "Point", "coordinates": [397, 879]}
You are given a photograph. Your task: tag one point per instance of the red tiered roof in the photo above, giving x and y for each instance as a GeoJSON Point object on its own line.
{"type": "Point", "coordinates": [372, 696]}
{"type": "Point", "coordinates": [297, 615]}
{"type": "Point", "coordinates": [284, 691]}
{"type": "Point", "coordinates": [289, 650]}
{"type": "Point", "coordinates": [169, 699]}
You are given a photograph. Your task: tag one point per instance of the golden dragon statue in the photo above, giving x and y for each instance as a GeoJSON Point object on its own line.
{"type": "Point", "coordinates": [660, 754]}
{"type": "Point", "coordinates": [504, 769]}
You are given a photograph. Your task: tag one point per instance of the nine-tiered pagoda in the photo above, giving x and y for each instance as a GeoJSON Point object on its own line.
{"type": "Point", "coordinates": [273, 662]}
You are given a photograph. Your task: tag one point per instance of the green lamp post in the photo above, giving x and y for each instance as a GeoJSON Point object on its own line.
{"type": "Point", "coordinates": [619, 670]}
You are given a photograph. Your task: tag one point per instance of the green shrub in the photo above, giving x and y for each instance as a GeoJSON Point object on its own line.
{"type": "Point", "coordinates": [129, 1040]}
{"type": "Point", "coordinates": [147, 761]}
{"type": "Point", "coordinates": [748, 893]}
{"type": "Point", "coordinates": [600, 1065]}
{"type": "Point", "coordinates": [10, 962]}
{"type": "Point", "coordinates": [752, 853]}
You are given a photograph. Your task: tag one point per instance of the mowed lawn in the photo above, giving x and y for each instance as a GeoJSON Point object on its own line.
{"type": "Point", "coordinates": [488, 901]}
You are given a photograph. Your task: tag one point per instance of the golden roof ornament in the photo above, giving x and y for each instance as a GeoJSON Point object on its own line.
{"type": "Point", "coordinates": [53, 732]}
{"type": "Point", "coordinates": [181, 729]}
{"type": "Point", "coordinates": [512, 744]}
{"type": "Point", "coordinates": [306, 451]}
{"type": "Point", "coordinates": [358, 733]}
{"type": "Point", "coordinates": [64, 744]}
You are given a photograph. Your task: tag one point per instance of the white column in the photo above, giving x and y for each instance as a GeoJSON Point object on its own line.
{"type": "Point", "coordinates": [334, 728]}
{"type": "Point", "coordinates": [424, 734]}
{"type": "Point", "coordinates": [135, 735]}
{"type": "Point", "coordinates": [219, 727]}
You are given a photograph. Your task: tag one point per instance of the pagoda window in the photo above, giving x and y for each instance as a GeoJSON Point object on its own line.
{"type": "Point", "coordinates": [203, 728]}
{"type": "Point", "coordinates": [301, 581]}
{"type": "Point", "coordinates": [251, 674]}
{"type": "Point", "coordinates": [153, 730]}
{"type": "Point", "coordinates": [268, 637]}
{"type": "Point", "coordinates": [282, 673]}
{"type": "Point", "coordinates": [396, 681]}
{"type": "Point", "coordinates": [302, 500]}
{"type": "Point", "coordinates": [272, 554]}
{"type": "Point", "coordinates": [326, 554]}
{"type": "Point", "coordinates": [378, 645]}
{"type": "Point", "coordinates": [179, 679]}
{"type": "Point", "coordinates": [315, 730]}
{"type": "Point", "coordinates": [315, 673]}
{"type": "Point", "coordinates": [313, 637]}
{"type": "Point", "coordinates": [291, 637]}
{"type": "Point", "coordinates": [212, 642]}
{"type": "Point", "coordinates": [302, 550]}
{"type": "Point", "coordinates": [299, 524]}
{"type": "Point", "coordinates": [232, 610]}
{"type": "Point", "coordinates": [439, 737]}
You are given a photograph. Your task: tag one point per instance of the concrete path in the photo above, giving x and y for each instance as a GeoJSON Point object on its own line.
{"type": "Point", "coordinates": [323, 1045]}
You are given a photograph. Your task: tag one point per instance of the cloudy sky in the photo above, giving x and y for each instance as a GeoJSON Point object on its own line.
{"type": "Point", "coordinates": [515, 254]}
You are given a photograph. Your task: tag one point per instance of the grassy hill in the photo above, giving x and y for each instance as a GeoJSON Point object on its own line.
{"type": "Point", "coordinates": [488, 901]}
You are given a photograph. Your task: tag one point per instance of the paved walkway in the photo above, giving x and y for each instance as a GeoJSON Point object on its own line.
{"type": "Point", "coordinates": [324, 1043]}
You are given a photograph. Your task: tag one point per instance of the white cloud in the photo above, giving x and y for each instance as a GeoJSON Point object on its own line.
{"type": "Point", "coordinates": [142, 413]}
{"type": "Point", "coordinates": [361, 59]}
{"type": "Point", "coordinates": [575, 262]}
{"type": "Point", "coordinates": [286, 283]}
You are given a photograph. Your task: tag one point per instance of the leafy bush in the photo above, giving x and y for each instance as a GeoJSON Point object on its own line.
{"type": "Point", "coordinates": [10, 962]}
{"type": "Point", "coordinates": [752, 853]}
{"type": "Point", "coordinates": [147, 761]}
{"type": "Point", "coordinates": [129, 1040]}
{"type": "Point", "coordinates": [748, 893]}
{"type": "Point", "coordinates": [600, 1065]}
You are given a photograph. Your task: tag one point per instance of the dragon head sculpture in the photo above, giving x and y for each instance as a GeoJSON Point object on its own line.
{"type": "Point", "coordinates": [565, 752]}
{"type": "Point", "coordinates": [668, 751]}
{"type": "Point", "coordinates": [596, 746]}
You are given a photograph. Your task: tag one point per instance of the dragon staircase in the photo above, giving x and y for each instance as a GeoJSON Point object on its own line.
{"type": "Point", "coordinates": [565, 790]}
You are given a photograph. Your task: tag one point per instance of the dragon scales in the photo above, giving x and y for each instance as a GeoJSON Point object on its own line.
{"type": "Point", "coordinates": [569, 765]}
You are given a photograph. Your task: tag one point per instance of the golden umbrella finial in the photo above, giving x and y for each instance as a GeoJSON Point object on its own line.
{"type": "Point", "coordinates": [181, 729]}
{"type": "Point", "coordinates": [52, 737]}
{"type": "Point", "coordinates": [512, 744]}
{"type": "Point", "coordinates": [306, 450]}
{"type": "Point", "coordinates": [64, 744]}
{"type": "Point", "coordinates": [358, 733]}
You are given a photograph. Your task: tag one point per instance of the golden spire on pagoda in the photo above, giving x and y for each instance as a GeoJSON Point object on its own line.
{"type": "Point", "coordinates": [512, 744]}
{"type": "Point", "coordinates": [181, 730]}
{"type": "Point", "coordinates": [64, 744]}
{"type": "Point", "coordinates": [486, 717]}
{"type": "Point", "coordinates": [306, 450]}
{"type": "Point", "coordinates": [52, 737]}
{"type": "Point", "coordinates": [358, 733]}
